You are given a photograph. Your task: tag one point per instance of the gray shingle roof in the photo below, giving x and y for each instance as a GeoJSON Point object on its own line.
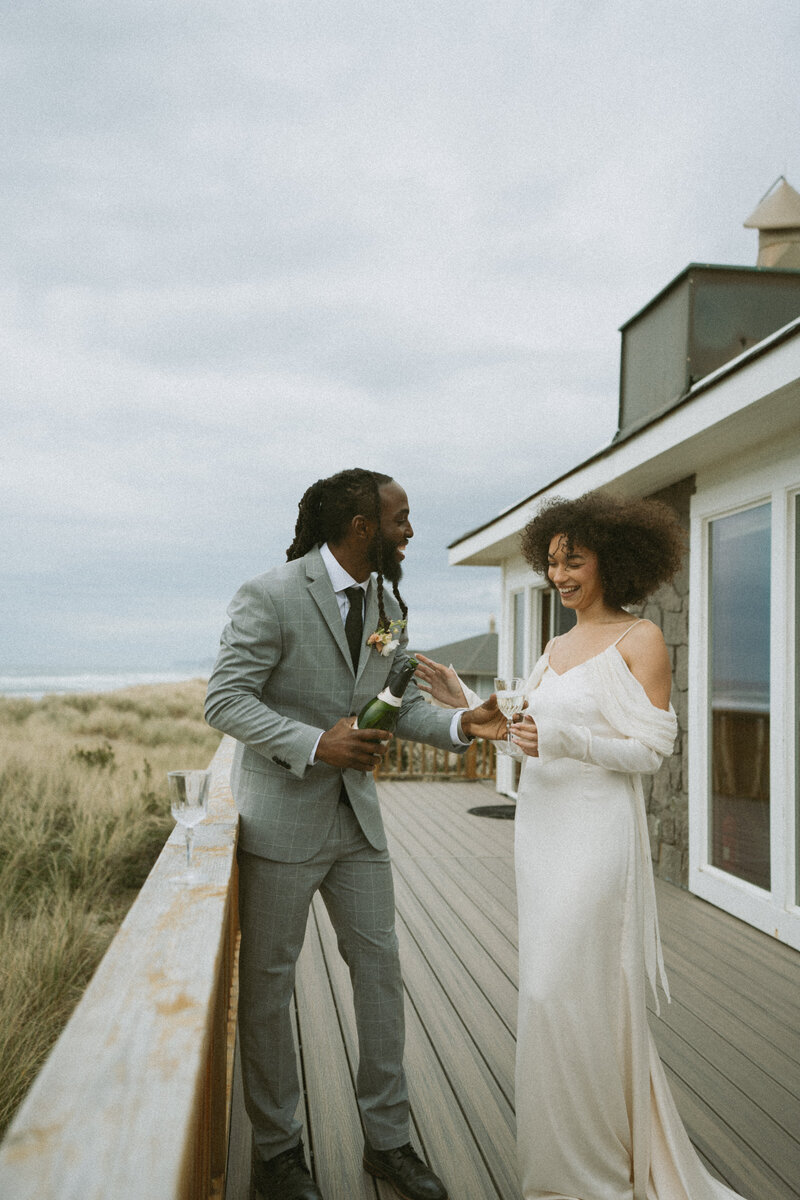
{"type": "Point", "coordinates": [471, 656]}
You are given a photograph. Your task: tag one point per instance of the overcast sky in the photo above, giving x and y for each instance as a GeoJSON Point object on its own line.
{"type": "Point", "coordinates": [246, 245]}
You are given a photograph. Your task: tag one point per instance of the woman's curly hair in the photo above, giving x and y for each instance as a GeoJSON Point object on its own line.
{"type": "Point", "coordinates": [639, 543]}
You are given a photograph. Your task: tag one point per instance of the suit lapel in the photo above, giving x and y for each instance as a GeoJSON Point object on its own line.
{"type": "Point", "coordinates": [370, 625]}
{"type": "Point", "coordinates": [320, 588]}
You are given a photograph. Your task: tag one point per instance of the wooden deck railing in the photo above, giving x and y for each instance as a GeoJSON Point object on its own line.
{"type": "Point", "coordinates": [133, 1100]}
{"type": "Point", "coordinates": [412, 760]}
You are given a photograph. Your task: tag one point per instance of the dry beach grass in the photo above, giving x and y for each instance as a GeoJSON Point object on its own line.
{"type": "Point", "coordinates": [83, 815]}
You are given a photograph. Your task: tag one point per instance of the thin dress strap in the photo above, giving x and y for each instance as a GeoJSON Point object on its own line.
{"type": "Point", "coordinates": [630, 627]}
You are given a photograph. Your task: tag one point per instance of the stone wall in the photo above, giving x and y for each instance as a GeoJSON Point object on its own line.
{"type": "Point", "coordinates": [667, 793]}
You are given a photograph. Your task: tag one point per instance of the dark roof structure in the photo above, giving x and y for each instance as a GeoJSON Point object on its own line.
{"type": "Point", "coordinates": [471, 656]}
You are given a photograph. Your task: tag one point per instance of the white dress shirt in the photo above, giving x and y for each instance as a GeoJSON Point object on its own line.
{"type": "Point", "coordinates": [341, 579]}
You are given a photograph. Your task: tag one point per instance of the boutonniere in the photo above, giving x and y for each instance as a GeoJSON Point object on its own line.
{"type": "Point", "coordinates": [384, 639]}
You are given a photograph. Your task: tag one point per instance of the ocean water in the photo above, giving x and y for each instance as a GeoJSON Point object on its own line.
{"type": "Point", "coordinates": [34, 686]}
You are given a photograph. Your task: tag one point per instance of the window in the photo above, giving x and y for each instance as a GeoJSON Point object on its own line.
{"type": "Point", "coordinates": [563, 618]}
{"type": "Point", "coordinates": [739, 693]}
{"type": "Point", "coordinates": [796, 716]}
{"type": "Point", "coordinates": [544, 628]}
{"type": "Point", "coordinates": [744, 693]}
{"type": "Point", "coordinates": [555, 618]}
{"type": "Point", "coordinates": [518, 664]}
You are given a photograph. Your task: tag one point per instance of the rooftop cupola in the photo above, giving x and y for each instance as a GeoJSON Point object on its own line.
{"type": "Point", "coordinates": [710, 314]}
{"type": "Point", "coordinates": [777, 220]}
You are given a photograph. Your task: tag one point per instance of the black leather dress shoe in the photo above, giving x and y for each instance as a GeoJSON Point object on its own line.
{"type": "Point", "coordinates": [285, 1177]}
{"type": "Point", "coordinates": [406, 1171]}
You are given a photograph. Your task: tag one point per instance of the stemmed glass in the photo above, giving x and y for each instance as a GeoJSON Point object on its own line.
{"type": "Point", "coordinates": [188, 799]}
{"type": "Point", "coordinates": [510, 692]}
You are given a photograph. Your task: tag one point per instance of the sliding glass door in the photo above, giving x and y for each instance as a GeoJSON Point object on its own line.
{"type": "Point", "coordinates": [744, 698]}
{"type": "Point", "coordinates": [739, 694]}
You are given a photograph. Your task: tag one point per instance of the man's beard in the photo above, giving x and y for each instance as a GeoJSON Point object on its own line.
{"type": "Point", "coordinates": [383, 557]}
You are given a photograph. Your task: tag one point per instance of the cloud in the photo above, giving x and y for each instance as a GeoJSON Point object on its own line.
{"type": "Point", "coordinates": [250, 245]}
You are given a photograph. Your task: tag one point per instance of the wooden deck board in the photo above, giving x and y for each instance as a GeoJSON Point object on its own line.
{"type": "Point", "coordinates": [730, 1040]}
{"type": "Point", "coordinates": [740, 1070]}
{"type": "Point", "coordinates": [462, 876]}
{"type": "Point", "coordinates": [335, 1145]}
{"type": "Point", "coordinates": [469, 970]}
{"type": "Point", "coordinates": [461, 912]}
{"type": "Point", "coordinates": [748, 1039]}
{"type": "Point", "coordinates": [339, 979]}
{"type": "Point", "coordinates": [478, 1162]}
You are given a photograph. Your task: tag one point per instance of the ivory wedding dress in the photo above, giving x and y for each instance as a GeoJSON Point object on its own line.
{"type": "Point", "coordinates": [595, 1117]}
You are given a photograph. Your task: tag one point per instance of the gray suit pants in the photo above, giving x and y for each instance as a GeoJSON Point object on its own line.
{"type": "Point", "coordinates": [274, 898]}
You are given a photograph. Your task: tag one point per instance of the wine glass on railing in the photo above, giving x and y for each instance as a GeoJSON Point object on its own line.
{"type": "Point", "coordinates": [188, 799]}
{"type": "Point", "coordinates": [510, 692]}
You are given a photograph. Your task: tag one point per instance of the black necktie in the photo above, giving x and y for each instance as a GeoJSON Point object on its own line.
{"type": "Point", "coordinates": [354, 622]}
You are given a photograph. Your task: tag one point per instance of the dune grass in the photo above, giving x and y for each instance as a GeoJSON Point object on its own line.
{"type": "Point", "coordinates": [83, 816]}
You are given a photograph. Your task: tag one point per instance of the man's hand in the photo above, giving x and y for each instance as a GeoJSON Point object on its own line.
{"type": "Point", "coordinates": [345, 746]}
{"type": "Point", "coordinates": [440, 682]}
{"type": "Point", "coordinates": [485, 722]}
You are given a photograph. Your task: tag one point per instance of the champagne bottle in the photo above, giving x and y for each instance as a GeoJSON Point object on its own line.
{"type": "Point", "coordinates": [382, 711]}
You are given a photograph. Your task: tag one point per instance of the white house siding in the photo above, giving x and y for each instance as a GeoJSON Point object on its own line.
{"type": "Point", "coordinates": [734, 442]}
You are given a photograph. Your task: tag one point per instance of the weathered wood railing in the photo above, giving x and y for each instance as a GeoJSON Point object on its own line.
{"type": "Point", "coordinates": [412, 760]}
{"type": "Point", "coordinates": [133, 1100]}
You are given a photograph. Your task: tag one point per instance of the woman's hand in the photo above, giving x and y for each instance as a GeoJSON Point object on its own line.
{"type": "Point", "coordinates": [440, 682]}
{"type": "Point", "coordinates": [486, 721]}
{"type": "Point", "coordinates": [525, 735]}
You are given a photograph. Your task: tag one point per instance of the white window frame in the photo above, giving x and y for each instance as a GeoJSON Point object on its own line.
{"type": "Point", "coordinates": [775, 911]}
{"type": "Point", "coordinates": [518, 580]}
{"type": "Point", "coordinates": [520, 593]}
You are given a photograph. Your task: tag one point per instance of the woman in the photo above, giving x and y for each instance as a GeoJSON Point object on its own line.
{"type": "Point", "coordinates": [595, 1118]}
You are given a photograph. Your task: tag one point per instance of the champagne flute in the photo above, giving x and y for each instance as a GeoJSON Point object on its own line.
{"type": "Point", "coordinates": [188, 798]}
{"type": "Point", "coordinates": [510, 692]}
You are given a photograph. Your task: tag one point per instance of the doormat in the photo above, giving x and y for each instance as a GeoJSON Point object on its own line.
{"type": "Point", "coordinates": [500, 812]}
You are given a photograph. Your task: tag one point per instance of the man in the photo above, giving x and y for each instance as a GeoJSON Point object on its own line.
{"type": "Point", "coordinates": [294, 665]}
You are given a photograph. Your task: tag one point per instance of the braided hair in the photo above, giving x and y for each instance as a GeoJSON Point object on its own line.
{"type": "Point", "coordinates": [326, 510]}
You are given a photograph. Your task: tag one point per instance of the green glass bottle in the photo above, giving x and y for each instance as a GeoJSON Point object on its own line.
{"type": "Point", "coordinates": [382, 711]}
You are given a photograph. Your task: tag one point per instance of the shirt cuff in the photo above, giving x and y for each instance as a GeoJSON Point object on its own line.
{"type": "Point", "coordinates": [313, 755]}
{"type": "Point", "coordinates": [457, 735]}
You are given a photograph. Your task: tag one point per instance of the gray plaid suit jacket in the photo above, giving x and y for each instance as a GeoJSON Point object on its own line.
{"type": "Point", "coordinates": [283, 675]}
